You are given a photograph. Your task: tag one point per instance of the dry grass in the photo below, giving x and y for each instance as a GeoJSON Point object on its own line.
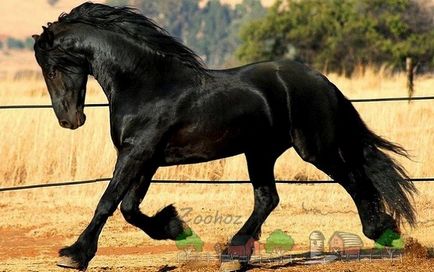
{"type": "Point", "coordinates": [35, 149]}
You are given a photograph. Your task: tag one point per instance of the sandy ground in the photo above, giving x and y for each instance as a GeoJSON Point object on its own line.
{"type": "Point", "coordinates": [35, 224]}
{"type": "Point", "coordinates": [18, 252]}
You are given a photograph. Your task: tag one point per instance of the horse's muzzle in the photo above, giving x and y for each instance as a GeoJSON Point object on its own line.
{"type": "Point", "coordinates": [81, 118]}
{"type": "Point", "coordinates": [78, 121]}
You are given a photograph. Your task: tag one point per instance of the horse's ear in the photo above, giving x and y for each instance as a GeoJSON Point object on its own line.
{"type": "Point", "coordinates": [35, 37]}
{"type": "Point", "coordinates": [46, 40]}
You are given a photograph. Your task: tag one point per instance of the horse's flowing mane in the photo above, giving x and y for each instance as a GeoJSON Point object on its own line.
{"type": "Point", "coordinates": [142, 29]}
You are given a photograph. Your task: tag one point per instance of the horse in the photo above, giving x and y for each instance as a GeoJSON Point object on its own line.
{"type": "Point", "coordinates": [167, 108]}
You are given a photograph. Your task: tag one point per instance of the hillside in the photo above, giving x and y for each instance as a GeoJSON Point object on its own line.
{"type": "Point", "coordinates": [266, 3]}
{"type": "Point", "coordinates": [21, 19]}
{"type": "Point", "coordinates": [210, 28]}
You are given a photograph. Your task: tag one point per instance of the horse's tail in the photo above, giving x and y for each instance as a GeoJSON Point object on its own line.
{"type": "Point", "coordinates": [363, 148]}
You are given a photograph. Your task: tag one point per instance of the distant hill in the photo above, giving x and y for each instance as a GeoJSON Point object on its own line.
{"type": "Point", "coordinates": [266, 3]}
{"type": "Point", "coordinates": [210, 28]}
{"type": "Point", "coordinates": [21, 19]}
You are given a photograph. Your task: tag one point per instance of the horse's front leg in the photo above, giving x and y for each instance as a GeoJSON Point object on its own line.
{"type": "Point", "coordinates": [260, 166]}
{"type": "Point", "coordinates": [165, 224]}
{"type": "Point", "coordinates": [129, 165]}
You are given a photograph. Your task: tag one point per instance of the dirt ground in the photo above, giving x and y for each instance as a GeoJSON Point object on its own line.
{"type": "Point", "coordinates": [18, 252]}
{"type": "Point", "coordinates": [34, 225]}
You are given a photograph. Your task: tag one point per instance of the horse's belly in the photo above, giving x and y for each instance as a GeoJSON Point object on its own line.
{"type": "Point", "coordinates": [200, 146]}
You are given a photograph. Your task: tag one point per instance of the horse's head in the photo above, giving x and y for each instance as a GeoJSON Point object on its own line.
{"type": "Point", "coordinates": [65, 73]}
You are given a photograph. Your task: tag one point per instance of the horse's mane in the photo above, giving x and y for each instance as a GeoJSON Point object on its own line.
{"type": "Point", "coordinates": [142, 29]}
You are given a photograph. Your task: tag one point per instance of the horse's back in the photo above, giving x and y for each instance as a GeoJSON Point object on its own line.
{"type": "Point", "coordinates": [259, 107]}
{"type": "Point", "coordinates": [231, 114]}
{"type": "Point", "coordinates": [295, 94]}
{"type": "Point", "coordinates": [303, 102]}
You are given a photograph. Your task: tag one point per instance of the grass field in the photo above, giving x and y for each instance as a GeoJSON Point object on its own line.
{"type": "Point", "coordinates": [34, 149]}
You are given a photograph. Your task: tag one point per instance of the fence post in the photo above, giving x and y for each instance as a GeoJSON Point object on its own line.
{"type": "Point", "coordinates": [410, 76]}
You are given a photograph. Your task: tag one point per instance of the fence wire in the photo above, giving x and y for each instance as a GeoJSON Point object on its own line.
{"type": "Point", "coordinates": [193, 182]}
{"type": "Point", "coordinates": [355, 100]}
{"type": "Point", "coordinates": [102, 105]}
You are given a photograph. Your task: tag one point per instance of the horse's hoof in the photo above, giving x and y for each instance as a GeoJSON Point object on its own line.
{"type": "Point", "coordinates": [68, 262]}
{"type": "Point", "coordinates": [230, 266]}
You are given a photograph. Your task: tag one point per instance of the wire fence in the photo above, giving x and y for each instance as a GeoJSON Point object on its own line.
{"type": "Point", "coordinates": [24, 107]}
{"type": "Point", "coordinates": [203, 182]}
{"type": "Point", "coordinates": [99, 180]}
{"type": "Point", "coordinates": [103, 105]}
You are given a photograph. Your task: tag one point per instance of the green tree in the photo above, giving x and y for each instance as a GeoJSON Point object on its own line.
{"type": "Point", "coordinates": [28, 43]}
{"type": "Point", "coordinates": [338, 35]}
{"type": "Point", "coordinates": [118, 2]}
{"type": "Point", "coordinates": [15, 43]}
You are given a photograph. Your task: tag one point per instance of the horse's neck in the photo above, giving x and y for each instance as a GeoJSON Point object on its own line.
{"type": "Point", "coordinates": [124, 65]}
{"type": "Point", "coordinates": [112, 61]}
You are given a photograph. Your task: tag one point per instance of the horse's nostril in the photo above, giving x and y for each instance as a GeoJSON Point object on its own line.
{"type": "Point", "coordinates": [65, 124]}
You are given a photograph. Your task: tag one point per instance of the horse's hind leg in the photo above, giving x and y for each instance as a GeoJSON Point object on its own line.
{"type": "Point", "coordinates": [375, 220]}
{"type": "Point", "coordinates": [377, 224]}
{"type": "Point", "coordinates": [261, 174]}
{"type": "Point", "coordinates": [163, 225]}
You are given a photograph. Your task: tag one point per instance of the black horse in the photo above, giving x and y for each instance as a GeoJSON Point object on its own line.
{"type": "Point", "coordinates": [166, 108]}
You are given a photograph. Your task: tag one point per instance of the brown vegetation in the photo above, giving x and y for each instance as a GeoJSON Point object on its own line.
{"type": "Point", "coordinates": [35, 149]}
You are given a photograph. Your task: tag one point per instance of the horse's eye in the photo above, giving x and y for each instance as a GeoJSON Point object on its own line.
{"type": "Point", "coordinates": [52, 75]}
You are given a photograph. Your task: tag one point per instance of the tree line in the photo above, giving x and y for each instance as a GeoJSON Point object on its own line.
{"type": "Point", "coordinates": [331, 35]}
{"type": "Point", "coordinates": [340, 35]}
{"type": "Point", "coordinates": [211, 30]}
{"type": "Point", "coordinates": [14, 43]}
